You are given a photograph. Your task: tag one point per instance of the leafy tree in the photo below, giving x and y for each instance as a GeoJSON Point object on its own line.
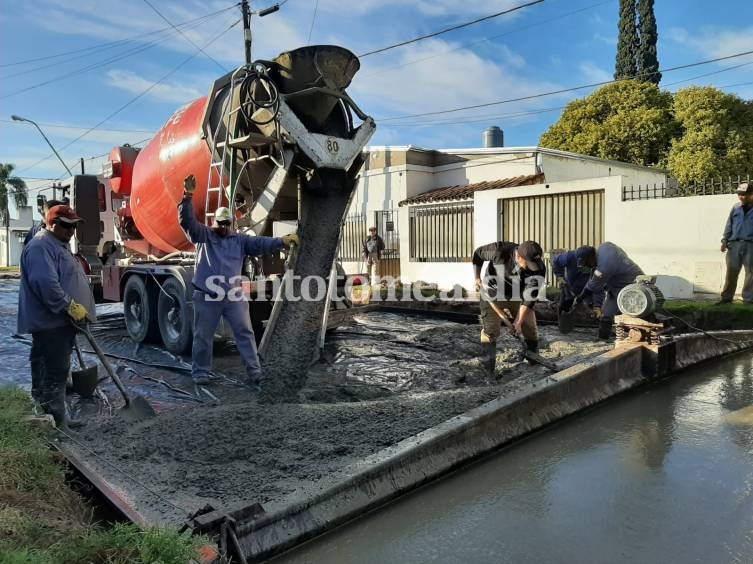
{"type": "Point", "coordinates": [627, 42]}
{"type": "Point", "coordinates": [647, 57]}
{"type": "Point", "coordinates": [10, 186]}
{"type": "Point", "coordinates": [716, 135]}
{"type": "Point", "coordinates": [629, 121]}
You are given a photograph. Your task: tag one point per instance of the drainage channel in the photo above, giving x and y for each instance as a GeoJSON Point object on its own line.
{"type": "Point", "coordinates": [662, 474]}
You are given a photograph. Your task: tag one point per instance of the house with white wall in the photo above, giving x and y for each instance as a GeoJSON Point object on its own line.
{"type": "Point", "coordinates": [433, 207]}
{"type": "Point", "coordinates": [12, 237]}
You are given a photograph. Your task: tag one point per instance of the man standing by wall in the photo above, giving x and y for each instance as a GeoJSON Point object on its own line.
{"type": "Point", "coordinates": [219, 262]}
{"type": "Point", "coordinates": [737, 242]}
{"type": "Point", "coordinates": [372, 253]}
{"type": "Point", "coordinates": [514, 280]}
{"type": "Point", "coordinates": [54, 290]}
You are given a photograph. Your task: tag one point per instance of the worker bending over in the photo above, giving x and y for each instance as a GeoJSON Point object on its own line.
{"type": "Point", "coordinates": [614, 270]}
{"type": "Point", "coordinates": [219, 262]}
{"type": "Point", "coordinates": [573, 270]}
{"type": "Point", "coordinates": [514, 281]}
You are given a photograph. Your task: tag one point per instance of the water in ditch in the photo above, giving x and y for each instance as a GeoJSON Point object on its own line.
{"type": "Point", "coordinates": [663, 475]}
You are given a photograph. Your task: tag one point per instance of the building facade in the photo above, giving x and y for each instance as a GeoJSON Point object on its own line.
{"type": "Point", "coordinates": [434, 207]}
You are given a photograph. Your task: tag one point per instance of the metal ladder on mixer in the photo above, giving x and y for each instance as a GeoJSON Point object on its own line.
{"type": "Point", "coordinates": [225, 151]}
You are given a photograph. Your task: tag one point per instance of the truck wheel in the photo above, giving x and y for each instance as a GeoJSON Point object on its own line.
{"type": "Point", "coordinates": [140, 310]}
{"type": "Point", "coordinates": [175, 317]}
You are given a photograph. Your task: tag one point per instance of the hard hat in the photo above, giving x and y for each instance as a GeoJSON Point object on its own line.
{"type": "Point", "coordinates": [222, 214]}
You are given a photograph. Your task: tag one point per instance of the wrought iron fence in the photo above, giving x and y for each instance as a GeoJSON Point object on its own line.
{"type": "Point", "coordinates": [441, 233]}
{"type": "Point", "coordinates": [673, 189]}
{"type": "Point", "coordinates": [354, 232]}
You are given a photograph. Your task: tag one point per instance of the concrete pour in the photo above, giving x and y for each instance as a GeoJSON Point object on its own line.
{"type": "Point", "coordinates": [248, 452]}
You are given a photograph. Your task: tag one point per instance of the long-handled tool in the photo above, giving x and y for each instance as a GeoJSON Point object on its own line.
{"type": "Point", "coordinates": [85, 379]}
{"type": "Point", "coordinates": [136, 407]}
{"type": "Point", "coordinates": [529, 355]}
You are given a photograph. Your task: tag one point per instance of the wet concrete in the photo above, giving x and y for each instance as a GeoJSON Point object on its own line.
{"type": "Point", "coordinates": [384, 378]}
{"type": "Point", "coordinates": [662, 475]}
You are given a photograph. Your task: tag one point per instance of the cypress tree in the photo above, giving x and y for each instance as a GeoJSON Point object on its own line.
{"type": "Point", "coordinates": [648, 59]}
{"type": "Point", "coordinates": [627, 43]}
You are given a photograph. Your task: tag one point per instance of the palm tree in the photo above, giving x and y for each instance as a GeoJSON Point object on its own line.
{"type": "Point", "coordinates": [16, 188]}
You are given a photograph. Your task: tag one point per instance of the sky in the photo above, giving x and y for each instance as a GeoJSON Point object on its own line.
{"type": "Point", "coordinates": [72, 65]}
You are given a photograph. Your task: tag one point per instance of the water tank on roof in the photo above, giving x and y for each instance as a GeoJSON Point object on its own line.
{"type": "Point", "coordinates": [493, 137]}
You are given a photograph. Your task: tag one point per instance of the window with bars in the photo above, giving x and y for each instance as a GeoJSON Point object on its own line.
{"type": "Point", "coordinates": [354, 232]}
{"type": "Point", "coordinates": [441, 233]}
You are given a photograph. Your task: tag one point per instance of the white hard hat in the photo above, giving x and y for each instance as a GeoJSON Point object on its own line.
{"type": "Point", "coordinates": [222, 214]}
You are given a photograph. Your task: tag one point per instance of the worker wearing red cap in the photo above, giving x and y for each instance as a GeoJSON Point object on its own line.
{"type": "Point", "coordinates": [514, 281]}
{"type": "Point", "coordinates": [54, 291]}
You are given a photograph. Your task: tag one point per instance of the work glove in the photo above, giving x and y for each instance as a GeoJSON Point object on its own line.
{"type": "Point", "coordinates": [290, 239]}
{"type": "Point", "coordinates": [77, 312]}
{"type": "Point", "coordinates": [189, 185]}
{"type": "Point", "coordinates": [598, 313]}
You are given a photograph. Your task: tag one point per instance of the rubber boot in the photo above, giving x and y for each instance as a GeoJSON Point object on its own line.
{"type": "Point", "coordinates": [532, 346]}
{"type": "Point", "coordinates": [605, 329]}
{"type": "Point", "coordinates": [489, 357]}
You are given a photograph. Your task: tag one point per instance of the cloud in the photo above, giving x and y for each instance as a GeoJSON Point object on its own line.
{"type": "Point", "coordinates": [457, 79]}
{"type": "Point", "coordinates": [135, 84]}
{"type": "Point", "coordinates": [594, 73]}
{"type": "Point", "coordinates": [427, 7]}
{"type": "Point", "coordinates": [714, 41]}
{"type": "Point", "coordinates": [608, 39]}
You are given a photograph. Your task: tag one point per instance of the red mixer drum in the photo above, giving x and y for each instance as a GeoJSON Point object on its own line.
{"type": "Point", "coordinates": [177, 150]}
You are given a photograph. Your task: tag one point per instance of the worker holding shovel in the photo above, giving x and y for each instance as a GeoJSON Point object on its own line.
{"type": "Point", "coordinates": [573, 270]}
{"type": "Point", "coordinates": [513, 282]}
{"type": "Point", "coordinates": [54, 291]}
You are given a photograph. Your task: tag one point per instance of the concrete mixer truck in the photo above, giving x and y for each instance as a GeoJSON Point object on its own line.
{"type": "Point", "coordinates": [280, 142]}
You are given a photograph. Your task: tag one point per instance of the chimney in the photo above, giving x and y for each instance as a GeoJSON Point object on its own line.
{"type": "Point", "coordinates": [493, 137]}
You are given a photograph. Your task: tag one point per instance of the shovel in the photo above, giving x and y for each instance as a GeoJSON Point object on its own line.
{"type": "Point", "coordinates": [85, 379]}
{"type": "Point", "coordinates": [136, 408]}
{"type": "Point", "coordinates": [532, 356]}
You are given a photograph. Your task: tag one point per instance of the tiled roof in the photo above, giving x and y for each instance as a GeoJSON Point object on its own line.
{"type": "Point", "coordinates": [466, 191]}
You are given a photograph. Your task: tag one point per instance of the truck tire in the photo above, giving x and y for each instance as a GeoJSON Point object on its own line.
{"type": "Point", "coordinates": [175, 317]}
{"type": "Point", "coordinates": [140, 310]}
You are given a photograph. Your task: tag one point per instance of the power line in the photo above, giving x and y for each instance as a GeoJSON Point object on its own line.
{"type": "Point", "coordinates": [480, 119]}
{"type": "Point", "coordinates": [223, 69]}
{"type": "Point", "coordinates": [79, 127]}
{"type": "Point", "coordinates": [313, 19]}
{"type": "Point", "coordinates": [92, 66]}
{"type": "Point", "coordinates": [109, 43]}
{"type": "Point", "coordinates": [130, 51]}
{"type": "Point", "coordinates": [485, 39]}
{"type": "Point", "coordinates": [564, 90]}
{"type": "Point", "coordinates": [138, 96]}
{"type": "Point", "coordinates": [448, 29]}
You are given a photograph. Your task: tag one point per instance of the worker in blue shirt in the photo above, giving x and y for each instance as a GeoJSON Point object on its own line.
{"type": "Point", "coordinates": [54, 290]}
{"type": "Point", "coordinates": [219, 262]}
{"type": "Point", "coordinates": [572, 270]}
{"type": "Point", "coordinates": [614, 270]}
{"type": "Point", "coordinates": [737, 242]}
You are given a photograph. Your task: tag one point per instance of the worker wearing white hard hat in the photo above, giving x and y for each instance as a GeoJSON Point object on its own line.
{"type": "Point", "coordinates": [219, 262]}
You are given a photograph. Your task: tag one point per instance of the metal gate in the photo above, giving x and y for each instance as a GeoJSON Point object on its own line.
{"type": "Point", "coordinates": [558, 222]}
{"type": "Point", "coordinates": [386, 223]}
